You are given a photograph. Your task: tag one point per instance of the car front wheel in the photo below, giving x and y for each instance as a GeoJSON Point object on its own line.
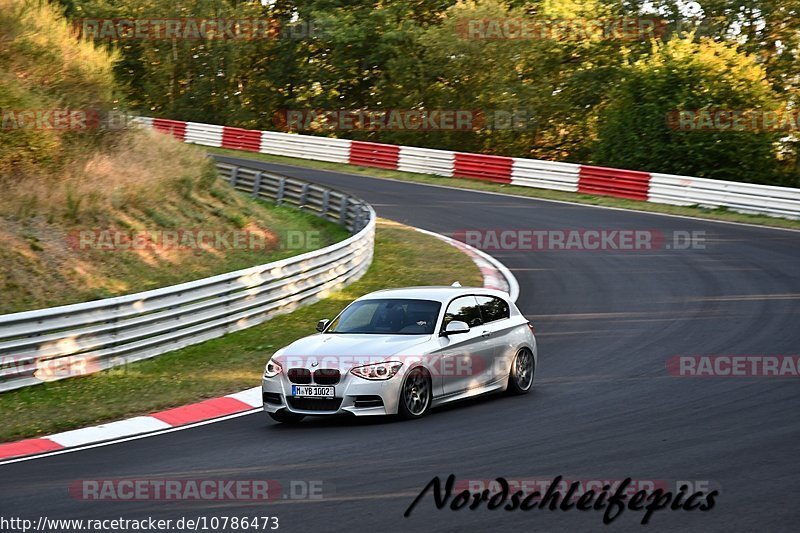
{"type": "Point", "coordinates": [415, 394]}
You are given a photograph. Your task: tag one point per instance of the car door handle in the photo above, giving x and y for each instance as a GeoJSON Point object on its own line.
{"type": "Point", "coordinates": [486, 334]}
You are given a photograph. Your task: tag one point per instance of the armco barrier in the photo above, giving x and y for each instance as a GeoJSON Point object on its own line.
{"type": "Point", "coordinates": [305, 146]}
{"type": "Point", "coordinates": [545, 174]}
{"type": "Point", "coordinates": [743, 197]}
{"type": "Point", "coordinates": [60, 342]}
{"type": "Point", "coordinates": [366, 154]}
{"type": "Point", "coordinates": [241, 139]}
{"type": "Point", "coordinates": [176, 128]}
{"type": "Point", "coordinates": [483, 167]}
{"type": "Point", "coordinates": [426, 161]}
{"type": "Point", "coordinates": [205, 134]}
{"type": "Point", "coordinates": [603, 181]}
{"type": "Point", "coordinates": [631, 184]}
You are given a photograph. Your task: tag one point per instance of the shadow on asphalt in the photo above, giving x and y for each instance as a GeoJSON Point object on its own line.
{"type": "Point", "coordinates": [319, 422]}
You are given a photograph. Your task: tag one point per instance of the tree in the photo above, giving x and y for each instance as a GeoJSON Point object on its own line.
{"type": "Point", "coordinates": [688, 75]}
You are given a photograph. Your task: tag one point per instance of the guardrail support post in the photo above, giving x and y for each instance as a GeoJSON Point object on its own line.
{"type": "Point", "coordinates": [281, 191]}
{"type": "Point", "coordinates": [257, 184]}
{"type": "Point", "coordinates": [234, 174]}
{"type": "Point", "coordinates": [304, 194]}
{"type": "Point", "coordinates": [326, 199]}
{"type": "Point", "coordinates": [343, 210]}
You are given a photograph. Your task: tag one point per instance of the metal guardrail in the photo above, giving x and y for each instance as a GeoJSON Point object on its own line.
{"type": "Point", "coordinates": [60, 342]}
{"type": "Point", "coordinates": [426, 161]}
{"type": "Point", "coordinates": [743, 197]}
{"type": "Point", "coordinates": [550, 175]}
{"type": "Point", "coordinates": [644, 186]}
{"type": "Point", "coordinates": [305, 146]}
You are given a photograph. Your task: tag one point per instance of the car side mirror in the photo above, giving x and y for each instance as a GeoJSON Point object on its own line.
{"type": "Point", "coordinates": [455, 327]}
{"type": "Point", "coordinates": [322, 324]}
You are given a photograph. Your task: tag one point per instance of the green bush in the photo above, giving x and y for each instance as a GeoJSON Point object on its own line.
{"type": "Point", "coordinates": [685, 74]}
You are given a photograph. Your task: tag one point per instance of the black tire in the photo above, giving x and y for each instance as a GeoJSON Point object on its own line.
{"type": "Point", "coordinates": [416, 394]}
{"type": "Point", "coordinates": [523, 370]}
{"type": "Point", "coordinates": [285, 417]}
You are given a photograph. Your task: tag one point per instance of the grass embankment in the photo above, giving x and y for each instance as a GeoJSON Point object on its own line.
{"type": "Point", "coordinates": [91, 209]}
{"type": "Point", "coordinates": [146, 214]}
{"type": "Point", "coordinates": [477, 185]}
{"type": "Point", "coordinates": [228, 364]}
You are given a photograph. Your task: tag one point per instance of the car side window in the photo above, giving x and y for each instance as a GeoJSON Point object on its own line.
{"type": "Point", "coordinates": [493, 308]}
{"type": "Point", "coordinates": [464, 309]}
{"type": "Point", "coordinates": [361, 317]}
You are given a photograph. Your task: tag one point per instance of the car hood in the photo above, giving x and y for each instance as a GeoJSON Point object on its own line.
{"type": "Point", "coordinates": [345, 351]}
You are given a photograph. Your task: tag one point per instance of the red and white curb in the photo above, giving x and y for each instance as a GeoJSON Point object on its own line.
{"type": "Point", "coordinates": [495, 276]}
{"type": "Point", "coordinates": [186, 415]}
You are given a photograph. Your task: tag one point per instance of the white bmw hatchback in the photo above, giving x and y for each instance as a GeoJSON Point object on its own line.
{"type": "Point", "coordinates": [403, 351]}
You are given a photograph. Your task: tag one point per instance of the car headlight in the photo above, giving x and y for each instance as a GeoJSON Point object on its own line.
{"type": "Point", "coordinates": [377, 371]}
{"type": "Point", "coordinates": [272, 369]}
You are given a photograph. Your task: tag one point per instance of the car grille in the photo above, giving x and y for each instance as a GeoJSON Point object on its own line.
{"type": "Point", "coordinates": [323, 376]}
{"type": "Point", "coordinates": [326, 376]}
{"type": "Point", "coordinates": [314, 404]}
{"type": "Point", "coordinates": [272, 397]}
{"type": "Point", "coordinates": [301, 376]}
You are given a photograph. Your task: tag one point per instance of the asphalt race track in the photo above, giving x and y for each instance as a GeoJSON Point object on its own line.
{"type": "Point", "coordinates": [604, 406]}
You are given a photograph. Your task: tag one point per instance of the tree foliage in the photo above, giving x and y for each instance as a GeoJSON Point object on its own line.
{"type": "Point", "coordinates": [44, 67]}
{"type": "Point", "coordinates": [700, 77]}
{"type": "Point", "coordinates": [586, 99]}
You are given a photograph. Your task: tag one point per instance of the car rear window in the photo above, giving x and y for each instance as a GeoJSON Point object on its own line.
{"type": "Point", "coordinates": [493, 308]}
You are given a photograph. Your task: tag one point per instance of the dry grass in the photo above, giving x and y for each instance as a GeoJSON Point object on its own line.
{"type": "Point", "coordinates": [135, 169]}
{"type": "Point", "coordinates": [143, 184]}
{"type": "Point", "coordinates": [58, 182]}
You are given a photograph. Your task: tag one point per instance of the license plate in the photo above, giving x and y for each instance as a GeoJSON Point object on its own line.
{"type": "Point", "coordinates": [313, 391]}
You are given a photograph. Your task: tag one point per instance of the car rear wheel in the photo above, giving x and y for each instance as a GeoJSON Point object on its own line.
{"type": "Point", "coordinates": [520, 379]}
{"type": "Point", "coordinates": [285, 417]}
{"type": "Point", "coordinates": [415, 394]}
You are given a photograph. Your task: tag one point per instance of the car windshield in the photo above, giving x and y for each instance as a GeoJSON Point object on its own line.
{"type": "Point", "coordinates": [388, 317]}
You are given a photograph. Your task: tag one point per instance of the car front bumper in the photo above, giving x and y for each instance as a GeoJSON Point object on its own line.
{"type": "Point", "coordinates": [352, 395]}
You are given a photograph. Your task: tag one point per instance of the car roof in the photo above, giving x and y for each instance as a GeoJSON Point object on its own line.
{"type": "Point", "coordinates": [436, 293]}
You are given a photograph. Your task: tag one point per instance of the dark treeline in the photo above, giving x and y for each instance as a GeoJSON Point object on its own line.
{"type": "Point", "coordinates": [581, 97]}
